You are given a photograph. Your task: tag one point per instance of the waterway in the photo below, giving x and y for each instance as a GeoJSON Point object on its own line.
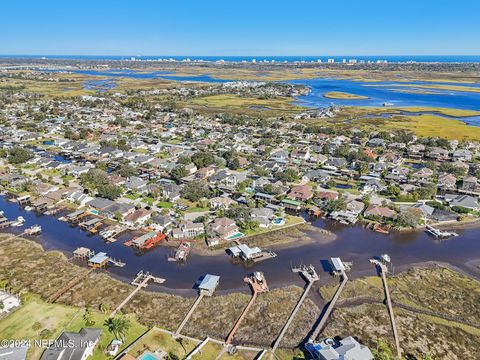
{"type": "Point", "coordinates": [353, 243]}
{"type": "Point", "coordinates": [401, 94]}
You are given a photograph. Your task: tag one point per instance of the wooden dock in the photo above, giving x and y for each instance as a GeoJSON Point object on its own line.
{"type": "Point", "coordinates": [331, 306]}
{"type": "Point", "coordinates": [141, 281]}
{"type": "Point", "coordinates": [258, 286]}
{"type": "Point", "coordinates": [311, 276]}
{"type": "Point", "coordinates": [71, 284]}
{"type": "Point", "coordinates": [382, 268]}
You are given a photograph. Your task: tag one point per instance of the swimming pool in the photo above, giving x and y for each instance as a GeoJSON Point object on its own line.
{"type": "Point", "coordinates": [278, 221]}
{"type": "Point", "coordinates": [234, 236]}
{"type": "Point", "coordinates": [148, 356]}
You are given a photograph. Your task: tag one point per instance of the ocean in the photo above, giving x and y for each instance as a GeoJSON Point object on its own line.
{"type": "Point", "coordinates": [289, 59]}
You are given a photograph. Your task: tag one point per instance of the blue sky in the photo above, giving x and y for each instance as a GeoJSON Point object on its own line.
{"type": "Point", "coordinates": [240, 27]}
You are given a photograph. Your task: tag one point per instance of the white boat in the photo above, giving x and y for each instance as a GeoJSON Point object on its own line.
{"type": "Point", "coordinates": [34, 230]}
{"type": "Point", "coordinates": [19, 222]}
{"type": "Point", "coordinates": [28, 208]}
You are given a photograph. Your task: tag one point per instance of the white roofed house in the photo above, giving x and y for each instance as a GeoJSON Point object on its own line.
{"type": "Point", "coordinates": [188, 230]}
{"type": "Point", "coordinates": [220, 202]}
{"type": "Point", "coordinates": [301, 154]}
{"type": "Point", "coordinates": [345, 349]}
{"type": "Point", "coordinates": [79, 198]}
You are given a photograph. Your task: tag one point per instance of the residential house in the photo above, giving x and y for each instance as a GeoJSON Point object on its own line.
{"type": "Point", "coordinates": [74, 346]}
{"type": "Point", "coordinates": [462, 201]}
{"type": "Point", "coordinates": [136, 184]}
{"type": "Point", "coordinates": [379, 211]}
{"type": "Point", "coordinates": [137, 218]}
{"type": "Point", "coordinates": [188, 230]}
{"type": "Point", "coordinates": [222, 228]}
{"type": "Point", "coordinates": [221, 202]}
{"type": "Point", "coordinates": [447, 181]}
{"type": "Point", "coordinates": [301, 192]}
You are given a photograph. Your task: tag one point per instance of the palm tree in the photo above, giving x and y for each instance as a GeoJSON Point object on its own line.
{"type": "Point", "coordinates": [111, 325]}
{"type": "Point", "coordinates": [122, 327]}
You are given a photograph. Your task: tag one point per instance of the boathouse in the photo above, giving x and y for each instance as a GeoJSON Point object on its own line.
{"type": "Point", "coordinates": [209, 284]}
{"type": "Point", "coordinates": [99, 260]}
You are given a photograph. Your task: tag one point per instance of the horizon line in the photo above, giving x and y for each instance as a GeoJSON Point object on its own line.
{"type": "Point", "coordinates": [191, 55]}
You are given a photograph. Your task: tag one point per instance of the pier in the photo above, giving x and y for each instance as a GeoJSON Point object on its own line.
{"type": "Point", "coordinates": [141, 281]}
{"type": "Point", "coordinates": [258, 284]}
{"type": "Point", "coordinates": [71, 284]}
{"type": "Point", "coordinates": [206, 288]}
{"type": "Point", "coordinates": [339, 269]}
{"type": "Point", "coordinates": [381, 265]}
{"type": "Point", "coordinates": [311, 276]}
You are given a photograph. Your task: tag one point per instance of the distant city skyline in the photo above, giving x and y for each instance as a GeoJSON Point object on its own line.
{"type": "Point", "coordinates": [240, 28]}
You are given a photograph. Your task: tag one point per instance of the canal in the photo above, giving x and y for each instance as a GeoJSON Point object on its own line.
{"type": "Point", "coordinates": [353, 243]}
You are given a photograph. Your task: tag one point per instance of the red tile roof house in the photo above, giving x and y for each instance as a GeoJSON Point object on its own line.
{"type": "Point", "coordinates": [138, 217]}
{"type": "Point", "coordinates": [379, 211]}
{"type": "Point", "coordinates": [328, 195]}
{"type": "Point", "coordinates": [301, 192]}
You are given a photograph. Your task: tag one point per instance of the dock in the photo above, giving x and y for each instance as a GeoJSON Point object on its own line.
{"type": "Point", "coordinates": [141, 281]}
{"type": "Point", "coordinates": [311, 276]}
{"type": "Point", "coordinates": [246, 253]}
{"type": "Point", "coordinates": [339, 269]}
{"type": "Point", "coordinates": [207, 287]}
{"type": "Point", "coordinates": [381, 265]}
{"type": "Point", "coordinates": [71, 284]}
{"type": "Point", "coordinates": [90, 224]}
{"type": "Point", "coordinates": [258, 284]}
{"type": "Point", "coordinates": [96, 260]}
{"type": "Point", "coordinates": [439, 233]}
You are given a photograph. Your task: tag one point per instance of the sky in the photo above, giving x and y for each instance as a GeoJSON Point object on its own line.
{"type": "Point", "coordinates": [240, 27]}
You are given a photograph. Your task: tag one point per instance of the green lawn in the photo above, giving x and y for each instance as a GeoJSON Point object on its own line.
{"type": "Point", "coordinates": [164, 204]}
{"type": "Point", "coordinates": [57, 318]}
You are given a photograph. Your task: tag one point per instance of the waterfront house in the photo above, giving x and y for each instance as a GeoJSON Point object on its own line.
{"type": "Point", "coordinates": [222, 228]}
{"type": "Point", "coordinates": [379, 211]}
{"type": "Point", "coordinates": [188, 230]}
{"type": "Point", "coordinates": [345, 349]}
{"type": "Point", "coordinates": [137, 218]}
{"type": "Point", "coordinates": [161, 223]}
{"type": "Point", "coordinates": [79, 198]}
